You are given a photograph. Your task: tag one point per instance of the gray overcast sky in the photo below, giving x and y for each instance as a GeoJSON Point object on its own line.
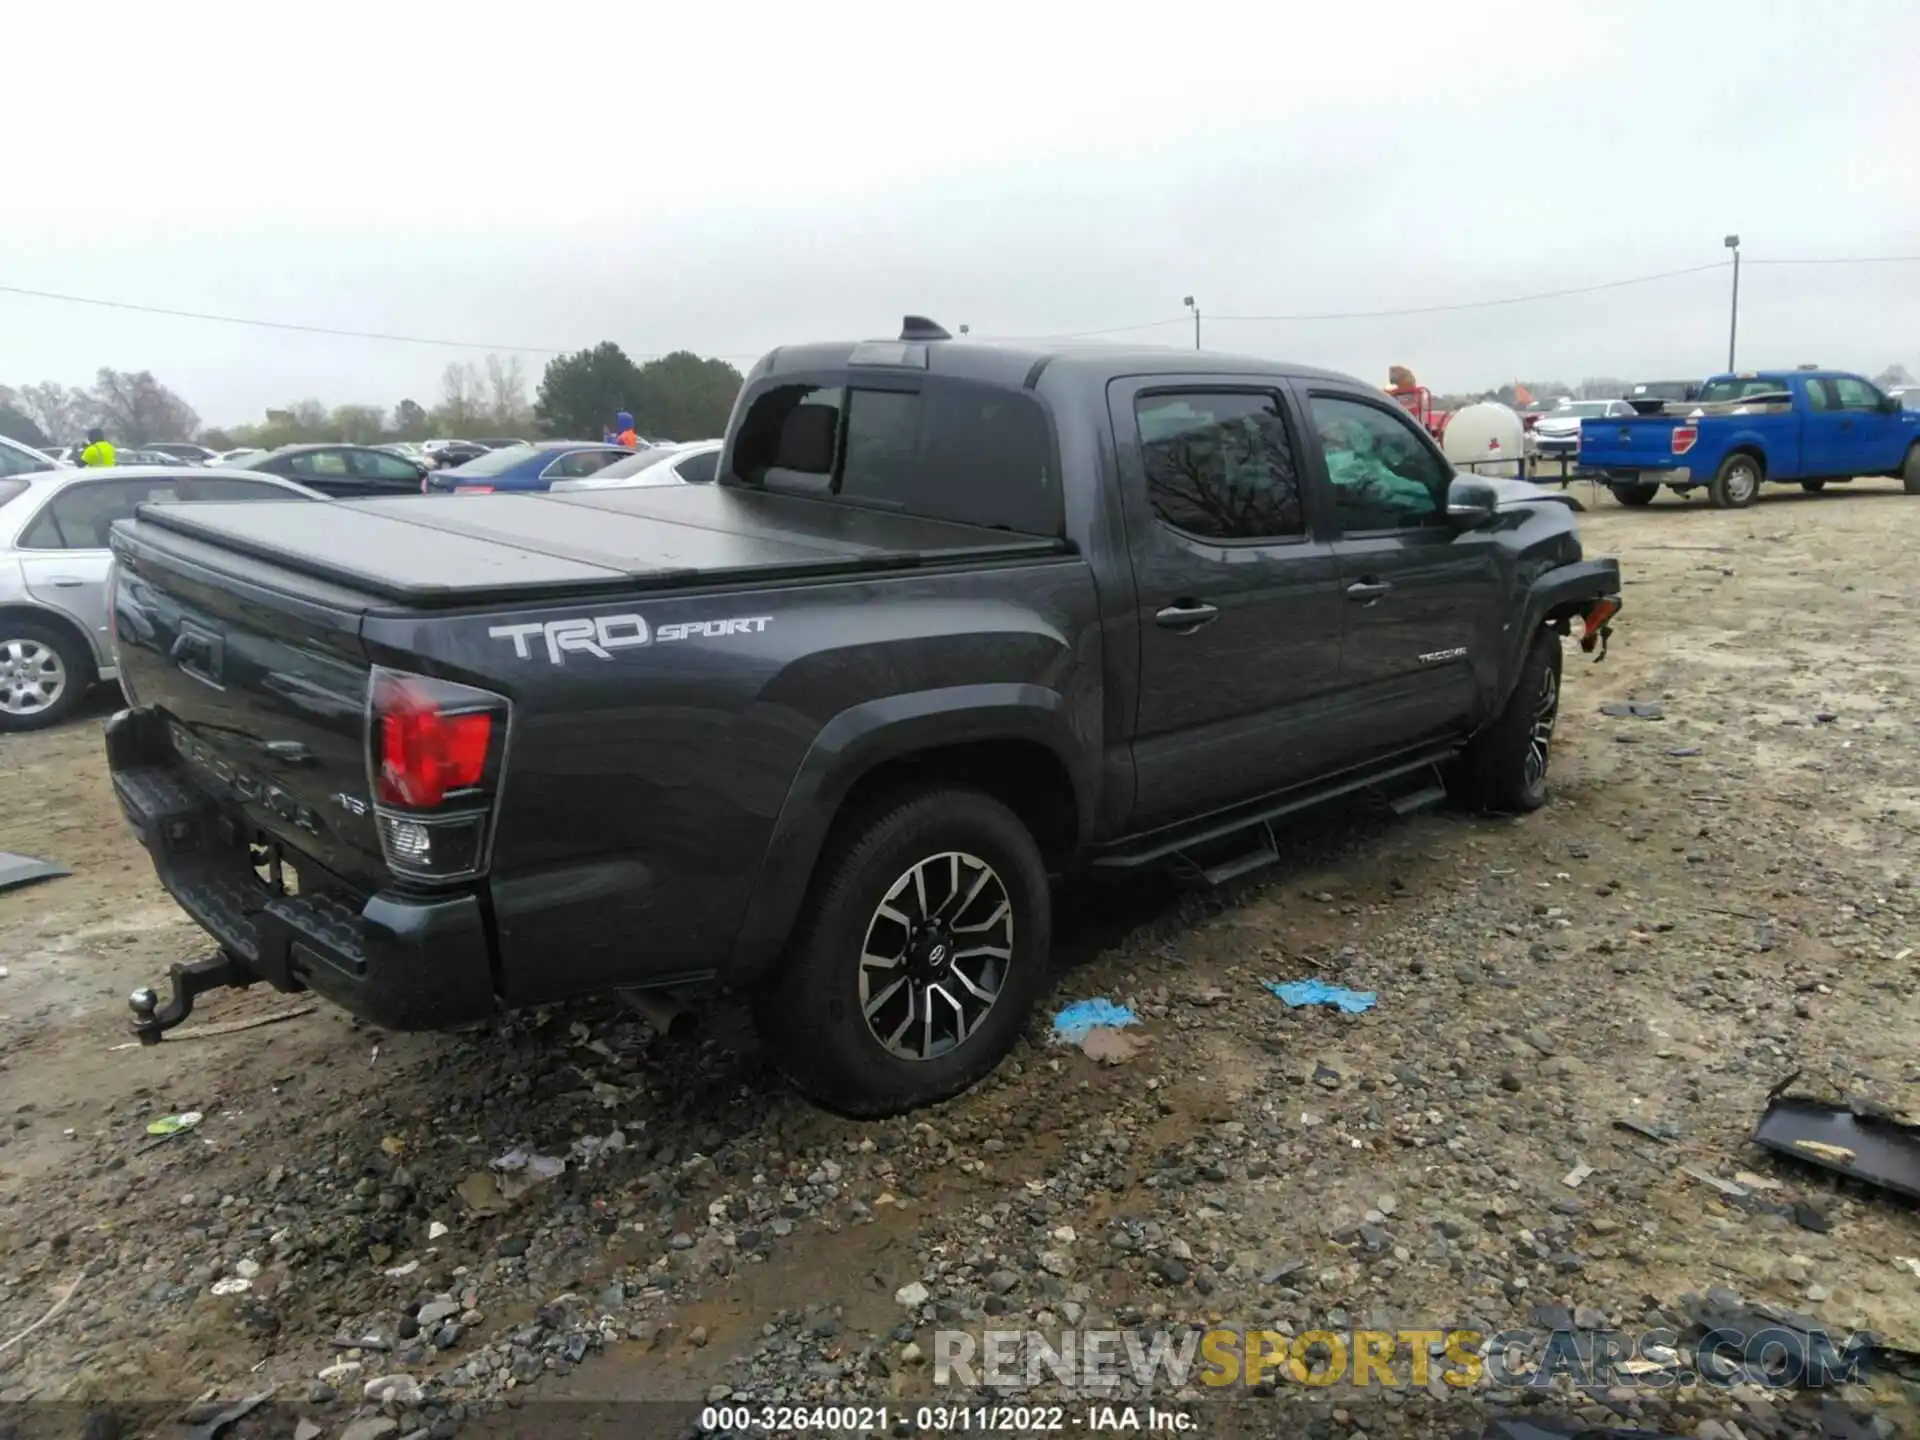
{"type": "Point", "coordinates": [733, 177]}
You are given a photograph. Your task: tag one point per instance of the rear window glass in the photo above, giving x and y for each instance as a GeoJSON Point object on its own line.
{"type": "Point", "coordinates": [950, 451]}
{"type": "Point", "coordinates": [11, 489]}
{"type": "Point", "coordinates": [496, 462]}
{"type": "Point", "coordinates": [1720, 391]}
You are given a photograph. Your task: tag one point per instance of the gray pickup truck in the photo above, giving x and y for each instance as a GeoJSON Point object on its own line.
{"type": "Point", "coordinates": [956, 619]}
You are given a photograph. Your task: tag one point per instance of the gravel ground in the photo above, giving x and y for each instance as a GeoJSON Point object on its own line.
{"type": "Point", "coordinates": [379, 1232]}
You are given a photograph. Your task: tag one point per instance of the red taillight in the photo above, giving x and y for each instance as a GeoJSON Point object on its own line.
{"type": "Point", "coordinates": [425, 753]}
{"type": "Point", "coordinates": [1683, 438]}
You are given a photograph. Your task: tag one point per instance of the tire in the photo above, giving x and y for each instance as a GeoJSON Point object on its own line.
{"type": "Point", "coordinates": [1813, 487]}
{"type": "Point", "coordinates": [1736, 484]}
{"type": "Point", "coordinates": [1635, 495]}
{"type": "Point", "coordinates": [812, 1013]}
{"type": "Point", "coordinates": [1505, 766]}
{"type": "Point", "coordinates": [44, 672]}
{"type": "Point", "coordinates": [1910, 472]}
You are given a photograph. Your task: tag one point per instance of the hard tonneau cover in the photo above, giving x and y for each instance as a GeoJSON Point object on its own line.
{"type": "Point", "coordinates": [433, 551]}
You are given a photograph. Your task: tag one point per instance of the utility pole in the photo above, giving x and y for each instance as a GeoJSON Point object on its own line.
{"type": "Point", "coordinates": [1732, 243]}
{"type": "Point", "coordinates": [1188, 302]}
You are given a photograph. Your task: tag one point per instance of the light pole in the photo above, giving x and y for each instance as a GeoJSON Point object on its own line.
{"type": "Point", "coordinates": [1188, 302]}
{"type": "Point", "coordinates": [1732, 243]}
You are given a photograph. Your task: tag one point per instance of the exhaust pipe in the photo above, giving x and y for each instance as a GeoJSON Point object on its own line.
{"type": "Point", "coordinates": [665, 1010]}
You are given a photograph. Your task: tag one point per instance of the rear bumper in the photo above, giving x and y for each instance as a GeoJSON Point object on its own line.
{"type": "Point", "coordinates": [1675, 475]}
{"type": "Point", "coordinates": [403, 962]}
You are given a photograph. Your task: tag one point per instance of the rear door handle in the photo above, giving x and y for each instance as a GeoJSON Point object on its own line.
{"type": "Point", "coordinates": [1368, 591]}
{"type": "Point", "coordinates": [1185, 615]}
{"type": "Point", "coordinates": [68, 582]}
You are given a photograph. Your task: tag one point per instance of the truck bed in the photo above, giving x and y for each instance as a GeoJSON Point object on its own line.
{"type": "Point", "coordinates": [430, 552]}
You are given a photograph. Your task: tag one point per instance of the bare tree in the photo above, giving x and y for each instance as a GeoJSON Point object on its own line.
{"type": "Point", "coordinates": [507, 408]}
{"type": "Point", "coordinates": [62, 412]}
{"type": "Point", "coordinates": [138, 408]}
{"type": "Point", "coordinates": [463, 402]}
{"type": "Point", "coordinates": [359, 424]}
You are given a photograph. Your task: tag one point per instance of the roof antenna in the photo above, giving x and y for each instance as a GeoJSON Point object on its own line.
{"type": "Point", "coordinates": [919, 327]}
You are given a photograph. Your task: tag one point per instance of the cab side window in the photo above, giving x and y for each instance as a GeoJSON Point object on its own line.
{"type": "Point", "coordinates": [1220, 465]}
{"type": "Point", "coordinates": [1384, 474]}
{"type": "Point", "coordinates": [1855, 394]}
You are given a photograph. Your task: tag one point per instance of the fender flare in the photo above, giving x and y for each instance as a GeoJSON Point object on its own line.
{"type": "Point", "coordinates": [1553, 593]}
{"type": "Point", "coordinates": [856, 741]}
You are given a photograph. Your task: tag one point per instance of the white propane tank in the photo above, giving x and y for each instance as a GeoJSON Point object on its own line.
{"type": "Point", "coordinates": [1485, 439]}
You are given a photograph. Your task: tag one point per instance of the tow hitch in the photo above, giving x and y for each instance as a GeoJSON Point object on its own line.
{"type": "Point", "coordinates": [1596, 627]}
{"type": "Point", "coordinates": [152, 1020]}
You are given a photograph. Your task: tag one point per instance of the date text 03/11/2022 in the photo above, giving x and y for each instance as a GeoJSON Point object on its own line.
{"type": "Point", "coordinates": [944, 1419]}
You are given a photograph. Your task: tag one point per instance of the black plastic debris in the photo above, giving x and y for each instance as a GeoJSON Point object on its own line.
{"type": "Point", "coordinates": [1847, 1140]}
{"type": "Point", "coordinates": [1634, 710]}
{"type": "Point", "coordinates": [18, 870]}
{"type": "Point", "coordinates": [1665, 1131]}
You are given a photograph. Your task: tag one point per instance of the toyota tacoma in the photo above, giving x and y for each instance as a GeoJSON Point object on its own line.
{"type": "Point", "coordinates": [956, 619]}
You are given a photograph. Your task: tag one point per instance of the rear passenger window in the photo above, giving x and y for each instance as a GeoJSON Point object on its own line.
{"type": "Point", "coordinates": [950, 451]}
{"type": "Point", "coordinates": [1220, 465]}
{"type": "Point", "coordinates": [699, 469]}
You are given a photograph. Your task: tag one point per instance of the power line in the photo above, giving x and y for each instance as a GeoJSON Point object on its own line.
{"type": "Point", "coordinates": [297, 328]}
{"type": "Point", "coordinates": [1091, 334]}
{"type": "Point", "coordinates": [276, 324]}
{"type": "Point", "coordinates": [1482, 304]}
{"type": "Point", "coordinates": [1843, 260]}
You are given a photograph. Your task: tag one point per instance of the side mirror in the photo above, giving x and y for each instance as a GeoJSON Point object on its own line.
{"type": "Point", "coordinates": [1890, 404]}
{"type": "Point", "coordinates": [1471, 502]}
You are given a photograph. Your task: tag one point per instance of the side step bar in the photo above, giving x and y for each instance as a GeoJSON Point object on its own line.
{"type": "Point", "coordinates": [1263, 849]}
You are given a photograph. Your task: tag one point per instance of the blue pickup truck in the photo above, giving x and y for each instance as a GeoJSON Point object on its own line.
{"type": "Point", "coordinates": [1804, 427]}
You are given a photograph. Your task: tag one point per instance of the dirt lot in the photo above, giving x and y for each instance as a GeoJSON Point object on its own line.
{"type": "Point", "coordinates": [1714, 900]}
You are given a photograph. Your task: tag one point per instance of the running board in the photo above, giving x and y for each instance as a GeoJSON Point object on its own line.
{"type": "Point", "coordinates": [1409, 802]}
{"type": "Point", "coordinates": [1173, 843]}
{"type": "Point", "coordinates": [1263, 853]}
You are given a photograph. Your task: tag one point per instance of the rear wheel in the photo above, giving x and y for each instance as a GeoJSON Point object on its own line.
{"type": "Point", "coordinates": [1505, 768]}
{"type": "Point", "coordinates": [1737, 484]}
{"type": "Point", "coordinates": [1813, 487]}
{"type": "Point", "coordinates": [1635, 494]}
{"type": "Point", "coordinates": [43, 674]}
{"type": "Point", "coordinates": [1910, 472]}
{"type": "Point", "coordinates": [923, 947]}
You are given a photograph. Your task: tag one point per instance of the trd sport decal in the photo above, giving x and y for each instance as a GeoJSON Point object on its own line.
{"type": "Point", "coordinates": [601, 635]}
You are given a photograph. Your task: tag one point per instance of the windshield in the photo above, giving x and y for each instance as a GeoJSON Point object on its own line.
{"type": "Point", "coordinates": [496, 462]}
{"type": "Point", "coordinates": [246, 459]}
{"type": "Point", "coordinates": [1741, 387]}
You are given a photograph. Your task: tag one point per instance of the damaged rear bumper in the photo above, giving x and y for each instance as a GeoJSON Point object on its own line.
{"type": "Point", "coordinates": [400, 961]}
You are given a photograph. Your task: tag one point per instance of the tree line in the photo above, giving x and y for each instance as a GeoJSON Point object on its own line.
{"type": "Point", "coordinates": [675, 397]}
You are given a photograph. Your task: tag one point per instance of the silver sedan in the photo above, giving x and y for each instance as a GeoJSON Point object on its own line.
{"type": "Point", "coordinates": [54, 639]}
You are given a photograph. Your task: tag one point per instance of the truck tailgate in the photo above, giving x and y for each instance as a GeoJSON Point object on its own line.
{"type": "Point", "coordinates": [1628, 442]}
{"type": "Point", "coordinates": [262, 693]}
{"type": "Point", "coordinates": [429, 551]}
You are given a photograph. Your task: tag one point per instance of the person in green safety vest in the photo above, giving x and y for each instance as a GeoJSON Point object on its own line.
{"type": "Point", "coordinates": [99, 451]}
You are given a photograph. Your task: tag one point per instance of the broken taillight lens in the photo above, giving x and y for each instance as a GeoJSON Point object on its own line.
{"type": "Point", "coordinates": [434, 757]}
{"type": "Point", "coordinates": [1684, 437]}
